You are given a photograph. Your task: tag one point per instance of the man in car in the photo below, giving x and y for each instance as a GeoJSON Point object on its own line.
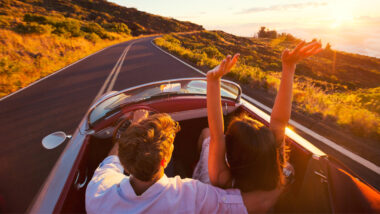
{"type": "Point", "coordinates": [144, 150]}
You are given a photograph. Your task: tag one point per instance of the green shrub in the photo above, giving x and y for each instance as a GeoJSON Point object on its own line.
{"type": "Point", "coordinates": [32, 28]}
{"type": "Point", "coordinates": [137, 29]}
{"type": "Point", "coordinates": [92, 37]}
{"type": "Point", "coordinates": [70, 28]}
{"type": "Point", "coordinates": [210, 35]}
{"type": "Point", "coordinates": [97, 29]}
{"type": "Point", "coordinates": [35, 18]}
{"type": "Point", "coordinates": [93, 28]}
{"type": "Point", "coordinates": [118, 28]}
{"type": "Point", "coordinates": [212, 52]}
{"type": "Point", "coordinates": [171, 39]}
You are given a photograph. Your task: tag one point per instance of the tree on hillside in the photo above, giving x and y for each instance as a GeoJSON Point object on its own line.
{"type": "Point", "coordinates": [261, 33]}
{"type": "Point", "coordinates": [328, 46]}
{"type": "Point", "coordinates": [288, 37]}
{"type": "Point", "coordinates": [266, 33]}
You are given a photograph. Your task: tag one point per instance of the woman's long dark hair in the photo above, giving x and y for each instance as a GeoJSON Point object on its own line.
{"type": "Point", "coordinates": [252, 155]}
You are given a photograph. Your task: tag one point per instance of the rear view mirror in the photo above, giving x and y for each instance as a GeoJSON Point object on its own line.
{"type": "Point", "coordinates": [55, 139]}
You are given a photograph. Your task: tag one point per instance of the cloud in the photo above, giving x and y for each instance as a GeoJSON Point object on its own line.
{"type": "Point", "coordinates": [283, 7]}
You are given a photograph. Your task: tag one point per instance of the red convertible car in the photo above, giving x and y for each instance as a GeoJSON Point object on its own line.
{"type": "Point", "coordinates": [322, 184]}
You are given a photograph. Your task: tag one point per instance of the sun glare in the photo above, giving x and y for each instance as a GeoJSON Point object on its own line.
{"type": "Point", "coordinates": [341, 14]}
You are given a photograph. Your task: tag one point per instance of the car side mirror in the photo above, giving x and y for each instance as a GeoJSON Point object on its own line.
{"type": "Point", "coordinates": [55, 139]}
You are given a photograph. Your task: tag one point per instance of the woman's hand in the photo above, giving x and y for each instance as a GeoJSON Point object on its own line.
{"type": "Point", "coordinates": [300, 52]}
{"type": "Point", "coordinates": [223, 68]}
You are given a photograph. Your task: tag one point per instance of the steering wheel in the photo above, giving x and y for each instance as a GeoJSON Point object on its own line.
{"type": "Point", "coordinates": [123, 124]}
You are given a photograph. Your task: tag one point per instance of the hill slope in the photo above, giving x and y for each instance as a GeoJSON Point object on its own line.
{"type": "Point", "coordinates": [99, 11]}
{"type": "Point", "coordinates": [338, 87]}
{"type": "Point", "coordinates": [38, 37]}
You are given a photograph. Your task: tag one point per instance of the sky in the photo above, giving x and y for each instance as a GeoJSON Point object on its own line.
{"type": "Point", "coordinates": [348, 25]}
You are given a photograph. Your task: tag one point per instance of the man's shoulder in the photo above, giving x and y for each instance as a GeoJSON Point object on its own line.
{"type": "Point", "coordinates": [200, 186]}
{"type": "Point", "coordinates": [178, 179]}
{"type": "Point", "coordinates": [107, 175]}
{"type": "Point", "coordinates": [191, 184]}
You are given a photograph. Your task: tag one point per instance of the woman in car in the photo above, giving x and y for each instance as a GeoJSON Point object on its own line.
{"type": "Point", "coordinates": [248, 156]}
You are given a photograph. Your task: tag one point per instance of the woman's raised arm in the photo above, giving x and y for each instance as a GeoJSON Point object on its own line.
{"type": "Point", "coordinates": [218, 170]}
{"type": "Point", "coordinates": [283, 103]}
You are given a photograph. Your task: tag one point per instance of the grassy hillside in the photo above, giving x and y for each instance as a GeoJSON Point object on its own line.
{"type": "Point", "coordinates": [38, 37]}
{"type": "Point", "coordinates": [102, 12]}
{"type": "Point", "coordinates": [338, 86]}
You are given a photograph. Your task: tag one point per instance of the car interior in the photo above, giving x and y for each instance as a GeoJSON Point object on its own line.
{"type": "Point", "coordinates": [308, 193]}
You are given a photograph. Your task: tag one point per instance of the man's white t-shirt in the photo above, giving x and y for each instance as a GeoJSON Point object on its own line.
{"type": "Point", "coordinates": [110, 191]}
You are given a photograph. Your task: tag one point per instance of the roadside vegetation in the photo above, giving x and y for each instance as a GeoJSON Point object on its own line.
{"type": "Point", "coordinates": [340, 87]}
{"type": "Point", "coordinates": [27, 58]}
{"type": "Point", "coordinates": [39, 37]}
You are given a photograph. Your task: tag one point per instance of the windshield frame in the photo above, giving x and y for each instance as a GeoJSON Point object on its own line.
{"type": "Point", "coordinates": [170, 81]}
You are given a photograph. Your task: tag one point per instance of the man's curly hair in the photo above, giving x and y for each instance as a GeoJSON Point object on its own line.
{"type": "Point", "coordinates": [144, 145]}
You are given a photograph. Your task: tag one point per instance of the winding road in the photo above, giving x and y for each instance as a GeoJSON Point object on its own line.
{"type": "Point", "coordinates": [59, 102]}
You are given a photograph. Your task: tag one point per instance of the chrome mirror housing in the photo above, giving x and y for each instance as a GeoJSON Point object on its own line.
{"type": "Point", "coordinates": [55, 139]}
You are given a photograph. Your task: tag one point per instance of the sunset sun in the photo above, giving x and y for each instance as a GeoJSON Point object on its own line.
{"type": "Point", "coordinates": [341, 14]}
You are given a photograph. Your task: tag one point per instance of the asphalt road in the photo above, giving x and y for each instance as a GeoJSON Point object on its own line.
{"type": "Point", "coordinates": [58, 103]}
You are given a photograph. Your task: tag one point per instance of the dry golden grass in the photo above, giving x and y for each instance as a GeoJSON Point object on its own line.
{"type": "Point", "coordinates": [27, 58]}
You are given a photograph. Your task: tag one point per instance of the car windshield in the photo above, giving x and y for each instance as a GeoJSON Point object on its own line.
{"type": "Point", "coordinates": [145, 92]}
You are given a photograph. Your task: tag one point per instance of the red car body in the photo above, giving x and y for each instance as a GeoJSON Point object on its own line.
{"type": "Point", "coordinates": [322, 184]}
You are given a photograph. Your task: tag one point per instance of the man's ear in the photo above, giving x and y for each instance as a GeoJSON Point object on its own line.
{"type": "Point", "coordinates": [165, 162]}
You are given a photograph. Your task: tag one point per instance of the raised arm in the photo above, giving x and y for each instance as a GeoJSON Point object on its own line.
{"type": "Point", "coordinates": [283, 103]}
{"type": "Point", "coordinates": [218, 170]}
